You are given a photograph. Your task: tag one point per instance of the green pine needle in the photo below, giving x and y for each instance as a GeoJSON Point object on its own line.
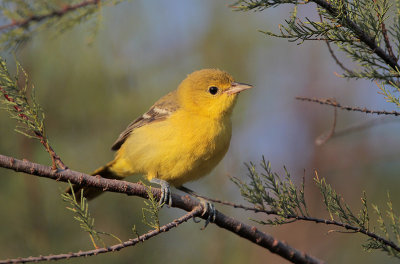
{"type": "Point", "coordinates": [18, 99]}
{"type": "Point", "coordinates": [279, 196]}
{"type": "Point", "coordinates": [266, 190]}
{"type": "Point", "coordinates": [350, 25]}
{"type": "Point", "coordinates": [82, 215]}
{"type": "Point", "coordinates": [151, 211]}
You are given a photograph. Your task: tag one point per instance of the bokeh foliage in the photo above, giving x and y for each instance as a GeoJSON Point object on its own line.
{"type": "Point", "coordinates": [90, 93]}
{"type": "Point", "coordinates": [367, 32]}
{"type": "Point", "coordinates": [27, 18]}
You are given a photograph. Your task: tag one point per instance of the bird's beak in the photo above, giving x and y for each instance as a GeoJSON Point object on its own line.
{"type": "Point", "coordinates": [237, 88]}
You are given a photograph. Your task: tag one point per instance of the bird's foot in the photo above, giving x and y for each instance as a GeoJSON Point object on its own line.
{"type": "Point", "coordinates": [208, 208]}
{"type": "Point", "coordinates": [166, 197]}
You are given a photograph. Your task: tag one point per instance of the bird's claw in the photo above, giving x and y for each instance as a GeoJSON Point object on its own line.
{"type": "Point", "coordinates": [166, 197]}
{"type": "Point", "coordinates": [208, 208]}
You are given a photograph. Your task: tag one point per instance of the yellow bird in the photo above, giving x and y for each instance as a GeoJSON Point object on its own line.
{"type": "Point", "coordinates": [181, 138]}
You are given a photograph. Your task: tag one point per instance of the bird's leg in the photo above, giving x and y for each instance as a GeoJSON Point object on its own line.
{"type": "Point", "coordinates": [209, 208]}
{"type": "Point", "coordinates": [166, 197]}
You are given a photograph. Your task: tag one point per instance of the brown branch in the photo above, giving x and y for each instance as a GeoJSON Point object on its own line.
{"type": "Point", "coordinates": [328, 101]}
{"type": "Point", "coordinates": [309, 219]}
{"type": "Point", "coordinates": [56, 160]}
{"type": "Point", "coordinates": [385, 34]}
{"type": "Point", "coordinates": [361, 126]}
{"type": "Point", "coordinates": [338, 62]}
{"type": "Point", "coordinates": [186, 203]}
{"type": "Point", "coordinates": [359, 33]}
{"type": "Point", "coordinates": [16, 107]}
{"type": "Point", "coordinates": [358, 127]}
{"type": "Point", "coordinates": [322, 139]}
{"type": "Point", "coordinates": [387, 42]}
{"type": "Point", "coordinates": [56, 13]}
{"type": "Point", "coordinates": [131, 242]}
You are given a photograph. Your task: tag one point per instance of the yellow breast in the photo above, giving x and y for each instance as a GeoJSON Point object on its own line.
{"type": "Point", "coordinates": [179, 149]}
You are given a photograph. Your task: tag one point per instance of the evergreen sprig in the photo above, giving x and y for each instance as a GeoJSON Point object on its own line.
{"type": "Point", "coordinates": [267, 190]}
{"type": "Point", "coordinates": [389, 93]}
{"type": "Point", "coordinates": [26, 18]}
{"type": "Point", "coordinates": [18, 99]}
{"type": "Point", "coordinates": [336, 205]}
{"type": "Point", "coordinates": [151, 210]}
{"type": "Point", "coordinates": [82, 215]}
{"type": "Point", "coordinates": [275, 195]}
{"type": "Point", "coordinates": [389, 226]}
{"type": "Point", "coordinates": [367, 31]}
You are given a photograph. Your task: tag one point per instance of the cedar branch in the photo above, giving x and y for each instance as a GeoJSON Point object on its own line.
{"type": "Point", "coordinates": [360, 34]}
{"type": "Point", "coordinates": [56, 13]}
{"type": "Point", "coordinates": [310, 219]}
{"type": "Point", "coordinates": [131, 242]}
{"type": "Point", "coordinates": [333, 103]}
{"type": "Point", "coordinates": [186, 203]}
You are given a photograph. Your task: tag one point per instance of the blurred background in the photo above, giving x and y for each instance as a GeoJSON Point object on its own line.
{"type": "Point", "coordinates": [143, 49]}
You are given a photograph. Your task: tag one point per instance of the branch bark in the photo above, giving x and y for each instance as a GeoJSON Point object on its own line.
{"type": "Point", "coordinates": [186, 203]}
{"type": "Point", "coordinates": [305, 218]}
{"type": "Point", "coordinates": [333, 103]}
{"type": "Point", "coordinates": [56, 13]}
{"type": "Point", "coordinates": [117, 247]}
{"type": "Point", "coordinates": [360, 34]}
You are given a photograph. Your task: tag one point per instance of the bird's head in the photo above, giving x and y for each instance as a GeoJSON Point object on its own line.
{"type": "Point", "coordinates": [210, 92]}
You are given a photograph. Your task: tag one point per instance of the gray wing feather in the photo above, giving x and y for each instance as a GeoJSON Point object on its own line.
{"type": "Point", "coordinates": [158, 112]}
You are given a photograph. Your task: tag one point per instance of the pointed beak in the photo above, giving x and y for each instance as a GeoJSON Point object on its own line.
{"type": "Point", "coordinates": [237, 88]}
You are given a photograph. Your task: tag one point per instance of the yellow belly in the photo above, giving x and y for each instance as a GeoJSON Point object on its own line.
{"type": "Point", "coordinates": [174, 150]}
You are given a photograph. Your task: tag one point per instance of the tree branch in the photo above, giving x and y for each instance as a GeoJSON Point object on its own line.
{"type": "Point", "coordinates": [56, 13]}
{"type": "Point", "coordinates": [56, 160]}
{"type": "Point", "coordinates": [131, 242]}
{"type": "Point", "coordinates": [385, 34]}
{"type": "Point", "coordinates": [324, 137]}
{"type": "Point", "coordinates": [361, 35]}
{"type": "Point", "coordinates": [361, 126]}
{"type": "Point", "coordinates": [310, 219]}
{"type": "Point", "coordinates": [330, 102]}
{"type": "Point", "coordinates": [338, 62]}
{"type": "Point", "coordinates": [186, 203]}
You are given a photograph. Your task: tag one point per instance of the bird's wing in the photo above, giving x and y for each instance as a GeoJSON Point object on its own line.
{"type": "Point", "coordinates": [159, 111]}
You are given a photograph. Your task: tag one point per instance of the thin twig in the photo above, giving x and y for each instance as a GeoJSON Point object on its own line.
{"type": "Point", "coordinates": [359, 33]}
{"type": "Point", "coordinates": [241, 229]}
{"type": "Point", "coordinates": [385, 34]}
{"type": "Point", "coordinates": [328, 101]}
{"type": "Point", "coordinates": [309, 219]}
{"type": "Point", "coordinates": [322, 139]}
{"type": "Point", "coordinates": [56, 160]}
{"type": "Point", "coordinates": [338, 62]}
{"type": "Point", "coordinates": [56, 13]}
{"type": "Point", "coordinates": [361, 126]}
{"type": "Point", "coordinates": [131, 242]}
{"type": "Point", "coordinates": [387, 42]}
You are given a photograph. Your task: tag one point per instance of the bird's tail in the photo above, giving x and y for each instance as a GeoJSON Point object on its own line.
{"type": "Point", "coordinates": [90, 192]}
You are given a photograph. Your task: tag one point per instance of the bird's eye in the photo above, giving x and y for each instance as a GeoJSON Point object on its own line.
{"type": "Point", "coordinates": [213, 90]}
